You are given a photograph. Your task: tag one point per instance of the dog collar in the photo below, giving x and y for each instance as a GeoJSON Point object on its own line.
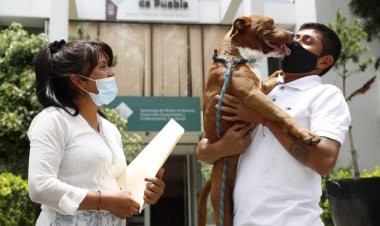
{"type": "Point", "coordinates": [235, 61]}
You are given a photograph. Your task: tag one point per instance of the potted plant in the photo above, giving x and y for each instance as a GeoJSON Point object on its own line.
{"type": "Point", "coordinates": [354, 201]}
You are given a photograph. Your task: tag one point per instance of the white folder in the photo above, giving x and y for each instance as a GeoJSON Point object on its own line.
{"type": "Point", "coordinates": [149, 161]}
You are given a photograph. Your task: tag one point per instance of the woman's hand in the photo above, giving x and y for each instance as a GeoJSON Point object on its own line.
{"type": "Point", "coordinates": [120, 204]}
{"type": "Point", "coordinates": [154, 188]}
{"type": "Point", "coordinates": [239, 111]}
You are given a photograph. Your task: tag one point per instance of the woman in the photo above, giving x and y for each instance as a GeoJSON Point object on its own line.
{"type": "Point", "coordinates": [76, 155]}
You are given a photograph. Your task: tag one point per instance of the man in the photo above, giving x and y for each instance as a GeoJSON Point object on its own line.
{"type": "Point", "coordinates": [278, 179]}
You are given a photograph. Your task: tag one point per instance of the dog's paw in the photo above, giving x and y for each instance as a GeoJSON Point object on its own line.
{"type": "Point", "coordinates": [312, 138]}
{"type": "Point", "coordinates": [271, 82]}
{"type": "Point", "coordinates": [304, 135]}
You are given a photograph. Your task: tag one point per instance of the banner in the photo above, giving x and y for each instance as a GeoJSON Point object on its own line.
{"type": "Point", "coordinates": [138, 10]}
{"type": "Point", "coordinates": [152, 113]}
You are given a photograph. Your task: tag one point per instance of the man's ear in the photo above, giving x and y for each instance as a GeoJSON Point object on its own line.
{"type": "Point", "coordinates": [325, 61]}
{"type": "Point", "coordinates": [240, 24]}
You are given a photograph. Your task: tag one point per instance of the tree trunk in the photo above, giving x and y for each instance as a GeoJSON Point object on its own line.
{"type": "Point", "coordinates": [354, 155]}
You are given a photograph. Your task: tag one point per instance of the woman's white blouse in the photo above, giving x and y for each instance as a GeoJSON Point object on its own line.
{"type": "Point", "coordinates": [68, 158]}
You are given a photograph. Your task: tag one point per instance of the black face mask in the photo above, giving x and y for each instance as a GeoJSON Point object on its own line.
{"type": "Point", "coordinates": [300, 60]}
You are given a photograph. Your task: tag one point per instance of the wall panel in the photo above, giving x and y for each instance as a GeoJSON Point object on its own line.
{"type": "Point", "coordinates": [89, 29]}
{"type": "Point", "coordinates": [196, 61]}
{"type": "Point", "coordinates": [131, 46]}
{"type": "Point", "coordinates": [169, 60]}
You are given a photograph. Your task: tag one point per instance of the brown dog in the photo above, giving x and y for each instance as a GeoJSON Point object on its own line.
{"type": "Point", "coordinates": [250, 37]}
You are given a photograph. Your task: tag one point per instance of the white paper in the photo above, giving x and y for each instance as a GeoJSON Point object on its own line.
{"type": "Point", "coordinates": [150, 160]}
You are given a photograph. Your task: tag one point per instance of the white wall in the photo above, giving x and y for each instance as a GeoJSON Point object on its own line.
{"type": "Point", "coordinates": [36, 12]}
{"type": "Point", "coordinates": [25, 8]}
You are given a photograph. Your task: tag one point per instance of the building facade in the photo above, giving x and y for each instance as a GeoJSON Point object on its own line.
{"type": "Point", "coordinates": [164, 48]}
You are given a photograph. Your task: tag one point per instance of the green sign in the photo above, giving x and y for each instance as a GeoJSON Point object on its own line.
{"type": "Point", "coordinates": [152, 113]}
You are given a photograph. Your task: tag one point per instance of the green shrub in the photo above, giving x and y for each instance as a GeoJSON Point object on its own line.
{"type": "Point", "coordinates": [15, 205]}
{"type": "Point", "coordinates": [374, 173]}
{"type": "Point", "coordinates": [325, 205]}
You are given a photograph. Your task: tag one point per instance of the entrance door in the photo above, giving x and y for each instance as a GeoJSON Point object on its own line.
{"type": "Point", "coordinates": [176, 207]}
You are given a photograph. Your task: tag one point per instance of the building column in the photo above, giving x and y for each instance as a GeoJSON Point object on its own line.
{"type": "Point", "coordinates": [58, 27]}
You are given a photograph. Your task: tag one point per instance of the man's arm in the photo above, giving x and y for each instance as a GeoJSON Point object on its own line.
{"type": "Point", "coordinates": [320, 157]}
{"type": "Point", "coordinates": [234, 142]}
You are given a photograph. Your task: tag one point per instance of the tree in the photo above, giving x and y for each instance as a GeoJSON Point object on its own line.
{"type": "Point", "coordinates": [18, 102]}
{"type": "Point", "coordinates": [351, 36]}
{"type": "Point", "coordinates": [369, 10]}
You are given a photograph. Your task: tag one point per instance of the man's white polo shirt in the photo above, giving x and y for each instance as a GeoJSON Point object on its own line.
{"type": "Point", "coordinates": [274, 189]}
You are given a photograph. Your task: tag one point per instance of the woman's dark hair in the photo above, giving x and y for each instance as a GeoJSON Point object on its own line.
{"type": "Point", "coordinates": [330, 41]}
{"type": "Point", "coordinates": [54, 64]}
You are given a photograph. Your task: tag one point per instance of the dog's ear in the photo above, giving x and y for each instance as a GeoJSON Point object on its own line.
{"type": "Point", "coordinates": [240, 24]}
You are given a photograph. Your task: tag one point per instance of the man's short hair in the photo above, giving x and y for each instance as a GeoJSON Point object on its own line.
{"type": "Point", "coordinates": [330, 41]}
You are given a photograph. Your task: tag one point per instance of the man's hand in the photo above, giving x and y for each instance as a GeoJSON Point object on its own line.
{"type": "Point", "coordinates": [239, 111]}
{"type": "Point", "coordinates": [234, 142]}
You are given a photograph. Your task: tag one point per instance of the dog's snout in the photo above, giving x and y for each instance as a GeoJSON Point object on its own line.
{"type": "Point", "coordinates": [286, 36]}
{"type": "Point", "coordinates": [291, 36]}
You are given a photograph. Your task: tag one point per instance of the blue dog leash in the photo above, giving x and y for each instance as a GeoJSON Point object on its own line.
{"type": "Point", "coordinates": [230, 65]}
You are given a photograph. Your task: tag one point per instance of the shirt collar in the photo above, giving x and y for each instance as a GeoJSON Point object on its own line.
{"type": "Point", "coordinates": [302, 83]}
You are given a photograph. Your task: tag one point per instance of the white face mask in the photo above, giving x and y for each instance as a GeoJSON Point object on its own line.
{"type": "Point", "coordinates": [107, 90]}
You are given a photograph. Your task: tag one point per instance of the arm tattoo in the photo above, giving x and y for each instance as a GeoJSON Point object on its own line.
{"type": "Point", "coordinates": [298, 150]}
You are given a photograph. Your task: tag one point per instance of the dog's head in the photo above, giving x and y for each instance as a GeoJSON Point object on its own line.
{"type": "Point", "coordinates": [260, 33]}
